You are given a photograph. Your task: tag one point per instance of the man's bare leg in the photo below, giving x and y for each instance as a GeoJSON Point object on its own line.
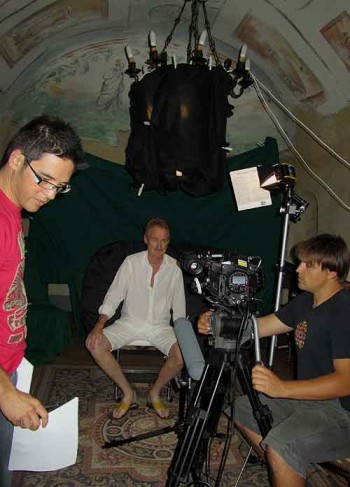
{"type": "Point", "coordinates": [281, 474]}
{"type": "Point", "coordinates": [105, 360]}
{"type": "Point", "coordinates": [169, 370]}
{"type": "Point", "coordinates": [252, 439]}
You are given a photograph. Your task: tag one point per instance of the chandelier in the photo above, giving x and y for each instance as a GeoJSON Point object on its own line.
{"type": "Point", "coordinates": [241, 78]}
{"type": "Point", "coordinates": [178, 111]}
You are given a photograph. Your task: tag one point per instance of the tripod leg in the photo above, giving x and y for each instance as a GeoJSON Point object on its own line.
{"type": "Point", "coordinates": [243, 466]}
{"type": "Point", "coordinates": [201, 422]}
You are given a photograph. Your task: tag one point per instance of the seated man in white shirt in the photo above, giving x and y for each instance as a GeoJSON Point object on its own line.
{"type": "Point", "coordinates": [150, 284]}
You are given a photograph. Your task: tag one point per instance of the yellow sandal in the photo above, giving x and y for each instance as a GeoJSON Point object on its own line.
{"type": "Point", "coordinates": [120, 410]}
{"type": "Point", "coordinates": [160, 409]}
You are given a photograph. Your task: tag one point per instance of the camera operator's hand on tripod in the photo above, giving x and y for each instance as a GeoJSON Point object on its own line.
{"type": "Point", "coordinates": [203, 324]}
{"type": "Point", "coordinates": [265, 381]}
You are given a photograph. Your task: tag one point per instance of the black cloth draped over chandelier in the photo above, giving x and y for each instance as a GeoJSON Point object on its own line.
{"type": "Point", "coordinates": [178, 129]}
{"type": "Point", "coordinates": [179, 112]}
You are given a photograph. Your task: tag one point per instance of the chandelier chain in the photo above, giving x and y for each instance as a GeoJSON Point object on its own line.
{"type": "Point", "coordinates": [193, 33]}
{"type": "Point", "coordinates": [210, 37]}
{"type": "Point", "coordinates": [176, 23]}
{"type": "Point", "coordinates": [193, 30]}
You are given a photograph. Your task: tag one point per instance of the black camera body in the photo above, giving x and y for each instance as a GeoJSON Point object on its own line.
{"type": "Point", "coordinates": [227, 280]}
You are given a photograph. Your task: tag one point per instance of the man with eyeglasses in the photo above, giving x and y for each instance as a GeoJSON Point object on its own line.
{"type": "Point", "coordinates": [37, 165]}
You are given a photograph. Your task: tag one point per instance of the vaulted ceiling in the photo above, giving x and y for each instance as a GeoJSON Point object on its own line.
{"type": "Point", "coordinates": [67, 57]}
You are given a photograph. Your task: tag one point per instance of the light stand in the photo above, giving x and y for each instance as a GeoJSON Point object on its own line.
{"type": "Point", "coordinates": [292, 207]}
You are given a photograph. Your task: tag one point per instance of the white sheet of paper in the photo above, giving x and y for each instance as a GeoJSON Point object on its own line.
{"type": "Point", "coordinates": [248, 193]}
{"type": "Point", "coordinates": [49, 448]}
{"type": "Point", "coordinates": [24, 375]}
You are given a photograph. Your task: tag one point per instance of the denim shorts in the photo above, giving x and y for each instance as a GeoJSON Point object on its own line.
{"type": "Point", "coordinates": [303, 432]}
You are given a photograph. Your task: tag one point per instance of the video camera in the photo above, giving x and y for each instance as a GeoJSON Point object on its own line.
{"type": "Point", "coordinates": [229, 282]}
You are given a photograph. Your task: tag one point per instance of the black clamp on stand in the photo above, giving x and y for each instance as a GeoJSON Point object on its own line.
{"type": "Point", "coordinates": [204, 413]}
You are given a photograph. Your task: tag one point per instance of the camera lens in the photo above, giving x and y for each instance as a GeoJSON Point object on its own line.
{"type": "Point", "coordinates": [191, 263]}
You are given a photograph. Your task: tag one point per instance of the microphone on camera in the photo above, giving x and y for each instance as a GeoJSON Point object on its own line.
{"type": "Point", "coordinates": [189, 347]}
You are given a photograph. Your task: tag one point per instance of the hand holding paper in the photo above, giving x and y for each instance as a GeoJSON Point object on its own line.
{"type": "Point", "coordinates": [51, 448]}
{"type": "Point", "coordinates": [24, 411]}
{"type": "Point", "coordinates": [17, 405]}
{"type": "Point", "coordinates": [46, 449]}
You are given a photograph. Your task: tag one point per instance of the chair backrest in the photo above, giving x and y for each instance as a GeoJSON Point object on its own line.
{"type": "Point", "coordinates": [99, 275]}
{"type": "Point", "coordinates": [102, 268]}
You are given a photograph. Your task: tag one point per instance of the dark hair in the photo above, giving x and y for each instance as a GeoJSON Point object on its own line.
{"type": "Point", "coordinates": [329, 251]}
{"type": "Point", "coordinates": [49, 135]}
{"type": "Point", "coordinates": [157, 222]}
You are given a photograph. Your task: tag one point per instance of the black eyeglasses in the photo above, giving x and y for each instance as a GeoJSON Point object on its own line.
{"type": "Point", "coordinates": [45, 184]}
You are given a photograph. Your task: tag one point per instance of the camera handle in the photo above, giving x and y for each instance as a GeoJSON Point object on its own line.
{"type": "Point", "coordinates": [261, 412]}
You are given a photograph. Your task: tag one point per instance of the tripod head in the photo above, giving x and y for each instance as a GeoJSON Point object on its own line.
{"type": "Point", "coordinates": [229, 330]}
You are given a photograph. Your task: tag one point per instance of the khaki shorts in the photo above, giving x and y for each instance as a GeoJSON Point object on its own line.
{"type": "Point", "coordinates": [122, 332]}
{"type": "Point", "coordinates": [303, 432]}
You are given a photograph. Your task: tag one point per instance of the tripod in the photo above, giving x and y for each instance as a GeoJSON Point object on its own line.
{"type": "Point", "coordinates": [204, 414]}
{"type": "Point", "coordinates": [183, 388]}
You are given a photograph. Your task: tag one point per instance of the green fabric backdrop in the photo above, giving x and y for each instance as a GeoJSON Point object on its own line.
{"type": "Point", "coordinates": [103, 207]}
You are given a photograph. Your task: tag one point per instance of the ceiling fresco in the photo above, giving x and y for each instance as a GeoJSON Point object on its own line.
{"type": "Point", "coordinates": [337, 34]}
{"type": "Point", "coordinates": [48, 21]}
{"type": "Point", "coordinates": [281, 58]}
{"type": "Point", "coordinates": [67, 57]}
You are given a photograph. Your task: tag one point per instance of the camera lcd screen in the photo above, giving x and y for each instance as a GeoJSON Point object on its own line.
{"type": "Point", "coordinates": [238, 280]}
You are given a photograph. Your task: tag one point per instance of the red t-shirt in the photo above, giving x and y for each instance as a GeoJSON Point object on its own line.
{"type": "Point", "coordinates": [13, 299]}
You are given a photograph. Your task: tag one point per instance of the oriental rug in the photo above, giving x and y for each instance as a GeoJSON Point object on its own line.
{"type": "Point", "coordinates": [143, 463]}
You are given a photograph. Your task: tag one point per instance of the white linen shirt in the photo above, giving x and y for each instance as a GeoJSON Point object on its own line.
{"type": "Point", "coordinates": [143, 303]}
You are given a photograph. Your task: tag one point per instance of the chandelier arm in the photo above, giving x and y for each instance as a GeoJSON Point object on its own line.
{"type": "Point", "coordinates": [176, 23]}
{"type": "Point", "coordinates": [210, 37]}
